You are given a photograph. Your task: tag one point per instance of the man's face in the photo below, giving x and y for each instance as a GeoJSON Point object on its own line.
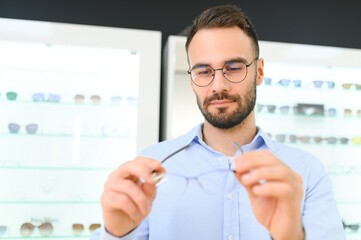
{"type": "Point", "coordinates": [225, 104]}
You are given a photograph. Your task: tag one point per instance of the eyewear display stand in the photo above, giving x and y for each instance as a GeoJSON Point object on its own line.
{"type": "Point", "coordinates": [310, 99]}
{"type": "Point", "coordinates": [74, 104]}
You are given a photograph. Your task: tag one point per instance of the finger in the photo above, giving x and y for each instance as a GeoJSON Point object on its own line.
{"type": "Point", "coordinates": [266, 173]}
{"type": "Point", "coordinates": [134, 192]}
{"type": "Point", "coordinates": [150, 190]}
{"type": "Point", "coordinates": [254, 159]}
{"type": "Point", "coordinates": [138, 169]}
{"type": "Point", "coordinates": [279, 190]}
{"type": "Point", "coordinates": [114, 201]}
{"type": "Point", "coordinates": [153, 164]}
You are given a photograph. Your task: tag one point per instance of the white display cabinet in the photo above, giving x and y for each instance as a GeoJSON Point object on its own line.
{"type": "Point", "coordinates": [74, 104]}
{"type": "Point", "coordinates": [310, 98]}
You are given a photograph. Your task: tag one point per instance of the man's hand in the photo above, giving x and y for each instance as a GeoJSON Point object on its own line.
{"type": "Point", "coordinates": [275, 192]}
{"type": "Point", "coordinates": [128, 195]}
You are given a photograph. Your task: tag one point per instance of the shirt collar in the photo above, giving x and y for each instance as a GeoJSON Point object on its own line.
{"type": "Point", "coordinates": [260, 141]}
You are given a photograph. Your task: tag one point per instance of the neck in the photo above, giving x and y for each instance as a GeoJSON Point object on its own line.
{"type": "Point", "coordinates": [222, 140]}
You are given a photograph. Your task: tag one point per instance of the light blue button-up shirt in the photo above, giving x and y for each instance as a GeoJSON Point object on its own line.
{"type": "Point", "coordinates": [197, 214]}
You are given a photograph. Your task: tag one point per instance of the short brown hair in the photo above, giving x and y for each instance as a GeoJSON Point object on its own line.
{"type": "Point", "coordinates": [223, 17]}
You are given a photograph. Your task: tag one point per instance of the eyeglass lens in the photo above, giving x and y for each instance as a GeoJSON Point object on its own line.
{"type": "Point", "coordinates": [211, 182]}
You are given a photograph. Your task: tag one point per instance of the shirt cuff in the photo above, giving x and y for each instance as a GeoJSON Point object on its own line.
{"type": "Point", "coordinates": [105, 235]}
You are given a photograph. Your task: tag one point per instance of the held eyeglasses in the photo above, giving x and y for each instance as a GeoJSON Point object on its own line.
{"type": "Point", "coordinates": [212, 181]}
{"type": "Point", "coordinates": [234, 71]}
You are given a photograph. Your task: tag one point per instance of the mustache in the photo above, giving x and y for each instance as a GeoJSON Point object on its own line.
{"type": "Point", "coordinates": [220, 96]}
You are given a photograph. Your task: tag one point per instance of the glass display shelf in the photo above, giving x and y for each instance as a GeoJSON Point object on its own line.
{"type": "Point", "coordinates": [351, 234]}
{"type": "Point", "coordinates": [325, 145]}
{"type": "Point", "coordinates": [29, 202]}
{"type": "Point", "coordinates": [349, 202]}
{"type": "Point", "coordinates": [49, 237]}
{"type": "Point", "coordinates": [340, 116]}
{"type": "Point", "coordinates": [58, 168]}
{"type": "Point", "coordinates": [63, 135]}
{"type": "Point", "coordinates": [345, 173]}
{"type": "Point", "coordinates": [309, 86]}
{"type": "Point", "coordinates": [129, 103]}
{"type": "Point", "coordinates": [350, 169]}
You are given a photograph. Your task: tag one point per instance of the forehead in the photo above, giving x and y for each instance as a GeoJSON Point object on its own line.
{"type": "Point", "coordinates": [217, 45]}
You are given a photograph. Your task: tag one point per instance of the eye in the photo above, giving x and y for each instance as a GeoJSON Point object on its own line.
{"type": "Point", "coordinates": [204, 70]}
{"type": "Point", "coordinates": [234, 67]}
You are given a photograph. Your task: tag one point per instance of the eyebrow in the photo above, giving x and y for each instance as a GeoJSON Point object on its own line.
{"type": "Point", "coordinates": [236, 59]}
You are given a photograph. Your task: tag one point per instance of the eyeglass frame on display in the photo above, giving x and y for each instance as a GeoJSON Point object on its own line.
{"type": "Point", "coordinates": [286, 82]}
{"type": "Point", "coordinates": [40, 97]}
{"type": "Point", "coordinates": [78, 228]}
{"type": "Point", "coordinates": [31, 128]}
{"type": "Point", "coordinates": [80, 98]}
{"type": "Point", "coordinates": [354, 227]}
{"type": "Point", "coordinates": [319, 83]}
{"type": "Point", "coordinates": [30, 227]}
{"type": "Point", "coordinates": [348, 86]}
{"type": "Point", "coordinates": [11, 96]}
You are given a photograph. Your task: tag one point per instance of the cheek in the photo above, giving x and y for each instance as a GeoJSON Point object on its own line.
{"type": "Point", "coordinates": [199, 93]}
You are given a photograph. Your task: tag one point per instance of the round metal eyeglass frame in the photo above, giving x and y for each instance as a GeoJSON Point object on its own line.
{"type": "Point", "coordinates": [223, 69]}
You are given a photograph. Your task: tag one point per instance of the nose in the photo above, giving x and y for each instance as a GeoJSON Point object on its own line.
{"type": "Point", "coordinates": [220, 82]}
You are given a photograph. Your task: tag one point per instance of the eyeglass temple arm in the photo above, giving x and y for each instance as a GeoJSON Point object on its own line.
{"type": "Point", "coordinates": [174, 153]}
{"type": "Point", "coordinates": [238, 147]}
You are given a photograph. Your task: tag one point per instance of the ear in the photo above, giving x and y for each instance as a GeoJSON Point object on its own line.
{"type": "Point", "coordinates": [260, 71]}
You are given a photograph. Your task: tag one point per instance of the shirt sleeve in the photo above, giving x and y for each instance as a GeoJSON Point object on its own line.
{"type": "Point", "coordinates": [321, 218]}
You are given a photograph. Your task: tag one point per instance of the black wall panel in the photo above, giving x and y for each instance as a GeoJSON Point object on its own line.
{"type": "Point", "coordinates": [319, 22]}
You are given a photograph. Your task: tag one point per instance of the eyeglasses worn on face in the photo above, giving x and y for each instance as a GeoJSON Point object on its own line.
{"type": "Point", "coordinates": [212, 181]}
{"type": "Point", "coordinates": [234, 71]}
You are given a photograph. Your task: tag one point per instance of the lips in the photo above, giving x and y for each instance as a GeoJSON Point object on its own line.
{"type": "Point", "coordinates": [219, 99]}
{"type": "Point", "coordinates": [221, 102]}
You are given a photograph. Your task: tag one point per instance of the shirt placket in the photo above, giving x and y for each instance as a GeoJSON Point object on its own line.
{"type": "Point", "coordinates": [231, 208]}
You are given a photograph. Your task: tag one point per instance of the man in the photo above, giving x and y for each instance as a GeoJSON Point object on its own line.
{"type": "Point", "coordinates": [238, 183]}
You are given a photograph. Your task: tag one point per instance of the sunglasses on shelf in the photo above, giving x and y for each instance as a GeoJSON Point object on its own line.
{"type": "Point", "coordinates": [79, 228]}
{"type": "Point", "coordinates": [30, 128]}
{"type": "Point", "coordinates": [11, 96]}
{"type": "Point", "coordinates": [79, 98]}
{"type": "Point", "coordinates": [348, 86]}
{"type": "Point", "coordinates": [45, 229]}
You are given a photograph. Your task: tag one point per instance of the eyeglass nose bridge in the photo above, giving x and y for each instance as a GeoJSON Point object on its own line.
{"type": "Point", "coordinates": [219, 69]}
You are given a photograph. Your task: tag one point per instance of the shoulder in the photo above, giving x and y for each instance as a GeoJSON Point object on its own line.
{"type": "Point", "coordinates": [296, 158]}
{"type": "Point", "coordinates": [305, 163]}
{"type": "Point", "coordinates": [316, 180]}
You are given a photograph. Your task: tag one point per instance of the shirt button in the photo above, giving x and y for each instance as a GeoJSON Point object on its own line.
{"type": "Point", "coordinates": [230, 237]}
{"type": "Point", "coordinates": [220, 159]}
{"type": "Point", "coordinates": [229, 196]}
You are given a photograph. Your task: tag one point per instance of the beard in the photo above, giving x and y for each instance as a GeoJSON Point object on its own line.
{"type": "Point", "coordinates": [225, 120]}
